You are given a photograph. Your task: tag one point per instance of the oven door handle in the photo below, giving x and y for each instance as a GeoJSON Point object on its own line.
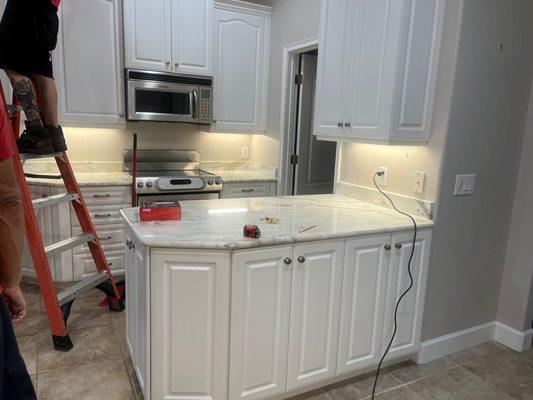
{"type": "Point", "coordinates": [194, 104]}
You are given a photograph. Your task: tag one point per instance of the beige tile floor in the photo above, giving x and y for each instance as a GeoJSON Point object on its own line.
{"type": "Point", "coordinates": [99, 367]}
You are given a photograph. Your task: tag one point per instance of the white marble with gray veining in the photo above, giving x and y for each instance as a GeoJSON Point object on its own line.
{"type": "Point", "coordinates": [241, 171]}
{"type": "Point", "coordinates": [218, 224]}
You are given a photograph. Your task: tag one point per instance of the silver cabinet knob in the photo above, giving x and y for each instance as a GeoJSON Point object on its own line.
{"type": "Point", "coordinates": [214, 121]}
{"type": "Point", "coordinates": [167, 63]}
{"type": "Point", "coordinates": [287, 261]}
{"type": "Point", "coordinates": [398, 245]}
{"type": "Point", "coordinates": [347, 124]}
{"type": "Point", "coordinates": [340, 124]}
{"type": "Point", "coordinates": [387, 247]}
{"type": "Point", "coordinates": [301, 259]}
{"type": "Point", "coordinates": [177, 64]}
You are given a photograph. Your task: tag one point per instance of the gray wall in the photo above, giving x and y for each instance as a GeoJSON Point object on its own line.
{"type": "Point", "coordinates": [487, 120]}
{"type": "Point", "coordinates": [516, 304]}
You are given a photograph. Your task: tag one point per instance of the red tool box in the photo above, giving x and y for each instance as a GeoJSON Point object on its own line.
{"type": "Point", "coordinates": [160, 210]}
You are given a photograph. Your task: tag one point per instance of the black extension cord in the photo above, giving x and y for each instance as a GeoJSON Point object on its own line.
{"type": "Point", "coordinates": [405, 292]}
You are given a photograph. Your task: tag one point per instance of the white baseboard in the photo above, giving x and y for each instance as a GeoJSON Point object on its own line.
{"type": "Point", "coordinates": [516, 340]}
{"type": "Point", "coordinates": [462, 340]}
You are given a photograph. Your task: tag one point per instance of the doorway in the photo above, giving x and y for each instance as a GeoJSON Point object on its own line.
{"type": "Point", "coordinates": [307, 165]}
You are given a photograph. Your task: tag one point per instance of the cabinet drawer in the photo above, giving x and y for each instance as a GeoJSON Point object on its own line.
{"type": "Point", "coordinates": [102, 215]}
{"type": "Point", "coordinates": [109, 238]}
{"type": "Point", "coordinates": [107, 195]}
{"type": "Point", "coordinates": [259, 189]}
{"type": "Point", "coordinates": [84, 265]}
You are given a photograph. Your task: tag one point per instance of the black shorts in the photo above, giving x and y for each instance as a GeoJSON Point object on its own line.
{"type": "Point", "coordinates": [28, 34]}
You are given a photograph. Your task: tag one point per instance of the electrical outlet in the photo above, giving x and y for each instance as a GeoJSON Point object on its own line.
{"type": "Point", "coordinates": [244, 152]}
{"type": "Point", "coordinates": [419, 180]}
{"type": "Point", "coordinates": [384, 179]}
{"type": "Point", "coordinates": [465, 185]}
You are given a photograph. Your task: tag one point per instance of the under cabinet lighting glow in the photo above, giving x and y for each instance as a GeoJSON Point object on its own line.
{"type": "Point", "coordinates": [230, 210]}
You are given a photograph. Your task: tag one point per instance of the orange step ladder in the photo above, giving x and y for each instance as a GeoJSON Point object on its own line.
{"type": "Point", "coordinates": [58, 305]}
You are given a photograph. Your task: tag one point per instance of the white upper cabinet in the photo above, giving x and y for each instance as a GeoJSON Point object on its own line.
{"type": "Point", "coordinates": [241, 67]}
{"type": "Point", "coordinates": [147, 34]}
{"type": "Point", "coordinates": [88, 63]}
{"type": "Point", "coordinates": [169, 35]}
{"type": "Point", "coordinates": [377, 69]}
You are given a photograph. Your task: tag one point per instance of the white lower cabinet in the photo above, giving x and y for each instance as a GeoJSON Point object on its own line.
{"type": "Point", "coordinates": [315, 306]}
{"type": "Point", "coordinates": [190, 320]}
{"type": "Point", "coordinates": [269, 322]}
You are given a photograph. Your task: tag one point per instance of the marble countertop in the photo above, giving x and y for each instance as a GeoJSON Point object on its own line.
{"type": "Point", "coordinates": [218, 224]}
{"type": "Point", "coordinates": [88, 179]}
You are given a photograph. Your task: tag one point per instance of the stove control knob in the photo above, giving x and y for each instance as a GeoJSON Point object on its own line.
{"type": "Point", "coordinates": [149, 184]}
{"type": "Point", "coordinates": [140, 184]}
{"type": "Point", "coordinates": [218, 182]}
{"type": "Point", "coordinates": [210, 182]}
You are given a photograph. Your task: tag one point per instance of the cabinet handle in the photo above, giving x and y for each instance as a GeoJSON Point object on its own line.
{"type": "Point", "coordinates": [167, 63]}
{"type": "Point", "coordinates": [128, 243]}
{"type": "Point", "coordinates": [247, 190]}
{"type": "Point", "coordinates": [398, 245]}
{"type": "Point", "coordinates": [106, 238]}
{"type": "Point", "coordinates": [301, 259]}
{"type": "Point", "coordinates": [347, 124]}
{"type": "Point", "coordinates": [177, 64]}
{"type": "Point", "coordinates": [214, 121]}
{"type": "Point", "coordinates": [287, 261]}
{"type": "Point", "coordinates": [102, 215]}
{"type": "Point", "coordinates": [387, 247]}
{"type": "Point", "coordinates": [339, 124]}
{"type": "Point", "coordinates": [101, 196]}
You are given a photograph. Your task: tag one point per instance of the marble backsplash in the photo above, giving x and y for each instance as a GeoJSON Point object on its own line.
{"type": "Point", "coordinates": [234, 166]}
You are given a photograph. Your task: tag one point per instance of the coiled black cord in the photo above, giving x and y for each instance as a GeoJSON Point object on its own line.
{"type": "Point", "coordinates": [405, 292]}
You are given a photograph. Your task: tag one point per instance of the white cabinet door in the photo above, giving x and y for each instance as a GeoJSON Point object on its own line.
{"type": "Point", "coordinates": [241, 62]}
{"type": "Point", "coordinates": [261, 284]}
{"type": "Point", "coordinates": [190, 316]}
{"type": "Point", "coordinates": [411, 309]}
{"type": "Point", "coordinates": [315, 306]}
{"type": "Point", "coordinates": [331, 84]}
{"type": "Point", "coordinates": [88, 62]}
{"type": "Point", "coordinates": [363, 302]}
{"type": "Point", "coordinates": [370, 67]}
{"type": "Point", "coordinates": [148, 33]}
{"type": "Point", "coordinates": [192, 36]}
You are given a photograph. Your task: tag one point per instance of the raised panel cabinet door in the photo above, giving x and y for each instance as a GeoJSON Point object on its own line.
{"type": "Point", "coordinates": [372, 54]}
{"type": "Point", "coordinates": [88, 62]}
{"type": "Point", "coordinates": [331, 82]}
{"type": "Point", "coordinates": [411, 309]}
{"type": "Point", "coordinates": [148, 34]}
{"type": "Point", "coordinates": [315, 309]}
{"type": "Point", "coordinates": [192, 36]}
{"type": "Point", "coordinates": [190, 320]}
{"type": "Point", "coordinates": [129, 262]}
{"type": "Point", "coordinates": [363, 302]}
{"type": "Point", "coordinates": [419, 55]}
{"type": "Point", "coordinates": [241, 62]}
{"type": "Point", "coordinates": [260, 303]}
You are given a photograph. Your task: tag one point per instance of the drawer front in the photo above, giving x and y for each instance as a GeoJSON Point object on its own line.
{"type": "Point", "coordinates": [102, 215]}
{"type": "Point", "coordinates": [107, 195]}
{"type": "Point", "coordinates": [84, 265]}
{"type": "Point", "coordinates": [235, 190]}
{"type": "Point", "coordinates": [111, 239]}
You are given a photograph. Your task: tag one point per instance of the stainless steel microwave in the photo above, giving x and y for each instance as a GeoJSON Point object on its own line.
{"type": "Point", "coordinates": [163, 97]}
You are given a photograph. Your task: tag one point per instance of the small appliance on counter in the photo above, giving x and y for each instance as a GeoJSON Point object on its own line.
{"type": "Point", "coordinates": [164, 97]}
{"type": "Point", "coordinates": [168, 175]}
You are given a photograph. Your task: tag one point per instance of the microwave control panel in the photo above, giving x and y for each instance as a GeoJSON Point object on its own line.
{"type": "Point", "coordinates": [205, 106]}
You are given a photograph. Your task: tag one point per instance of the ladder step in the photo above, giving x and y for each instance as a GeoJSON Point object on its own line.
{"type": "Point", "coordinates": [81, 287]}
{"type": "Point", "coordinates": [26, 156]}
{"type": "Point", "coordinates": [52, 200]}
{"type": "Point", "coordinates": [68, 244]}
{"type": "Point", "coordinates": [41, 176]}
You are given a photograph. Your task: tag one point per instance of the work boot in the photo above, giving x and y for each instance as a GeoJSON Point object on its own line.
{"type": "Point", "coordinates": [35, 141]}
{"type": "Point", "coordinates": [57, 137]}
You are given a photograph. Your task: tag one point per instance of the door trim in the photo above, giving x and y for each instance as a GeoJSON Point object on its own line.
{"type": "Point", "coordinates": [291, 52]}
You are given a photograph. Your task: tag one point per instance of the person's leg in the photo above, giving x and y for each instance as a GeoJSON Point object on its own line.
{"type": "Point", "coordinates": [47, 93]}
{"type": "Point", "coordinates": [25, 91]}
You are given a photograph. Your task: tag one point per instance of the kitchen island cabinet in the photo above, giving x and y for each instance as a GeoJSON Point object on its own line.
{"type": "Point", "coordinates": [212, 315]}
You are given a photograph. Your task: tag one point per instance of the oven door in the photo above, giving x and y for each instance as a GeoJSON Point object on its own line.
{"type": "Point", "coordinates": [178, 196]}
{"type": "Point", "coordinates": [163, 102]}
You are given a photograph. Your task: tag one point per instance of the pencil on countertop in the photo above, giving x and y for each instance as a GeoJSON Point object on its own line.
{"type": "Point", "coordinates": [308, 229]}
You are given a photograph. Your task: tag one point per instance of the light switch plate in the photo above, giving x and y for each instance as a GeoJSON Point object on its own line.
{"type": "Point", "coordinates": [465, 185]}
{"type": "Point", "coordinates": [244, 152]}
{"type": "Point", "coordinates": [419, 180]}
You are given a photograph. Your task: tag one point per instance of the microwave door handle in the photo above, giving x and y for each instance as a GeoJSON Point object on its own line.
{"type": "Point", "coordinates": [194, 104]}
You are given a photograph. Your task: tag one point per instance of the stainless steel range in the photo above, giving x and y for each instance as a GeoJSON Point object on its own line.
{"type": "Point", "coordinates": [170, 175]}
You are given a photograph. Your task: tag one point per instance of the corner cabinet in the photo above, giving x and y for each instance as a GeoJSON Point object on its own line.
{"type": "Point", "coordinates": [169, 35]}
{"type": "Point", "coordinates": [241, 66]}
{"type": "Point", "coordinates": [377, 70]}
{"type": "Point", "coordinates": [269, 322]}
{"type": "Point", "coordinates": [88, 63]}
